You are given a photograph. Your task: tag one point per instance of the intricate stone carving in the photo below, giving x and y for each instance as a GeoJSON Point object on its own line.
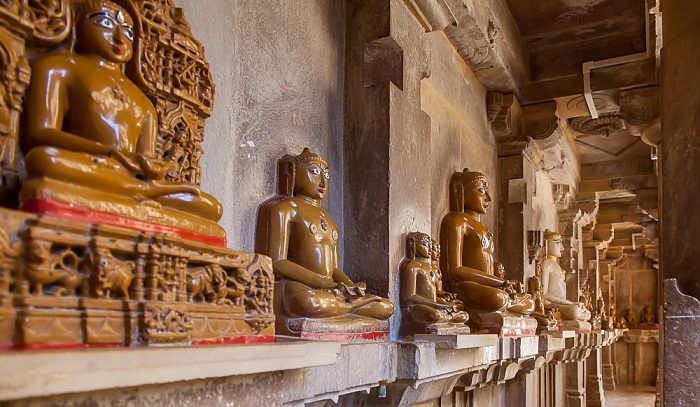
{"type": "Point", "coordinates": [40, 23]}
{"type": "Point", "coordinates": [68, 279]}
{"type": "Point", "coordinates": [606, 125]}
{"type": "Point", "coordinates": [170, 68]}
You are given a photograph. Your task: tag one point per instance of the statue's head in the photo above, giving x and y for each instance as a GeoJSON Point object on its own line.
{"type": "Point", "coordinates": [105, 29]}
{"type": "Point", "coordinates": [469, 191]}
{"type": "Point", "coordinates": [553, 243]}
{"type": "Point", "coordinates": [434, 250]}
{"type": "Point", "coordinates": [310, 175]}
{"type": "Point", "coordinates": [418, 245]}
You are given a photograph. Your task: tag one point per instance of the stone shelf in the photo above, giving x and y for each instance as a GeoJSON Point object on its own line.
{"type": "Point", "coordinates": [25, 374]}
{"type": "Point", "coordinates": [459, 341]}
{"type": "Point", "coordinates": [360, 367]}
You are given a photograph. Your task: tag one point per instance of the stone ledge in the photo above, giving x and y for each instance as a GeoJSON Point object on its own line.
{"type": "Point", "coordinates": [459, 341]}
{"type": "Point", "coordinates": [422, 360]}
{"type": "Point", "coordinates": [359, 367]}
{"type": "Point", "coordinates": [25, 374]}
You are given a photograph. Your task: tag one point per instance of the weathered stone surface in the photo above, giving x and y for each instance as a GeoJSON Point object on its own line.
{"type": "Point", "coordinates": [681, 369]}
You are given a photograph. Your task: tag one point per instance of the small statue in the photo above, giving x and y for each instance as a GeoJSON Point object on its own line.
{"type": "Point", "coordinates": [631, 318]}
{"type": "Point", "coordinates": [302, 240]}
{"type": "Point", "coordinates": [90, 133]}
{"type": "Point", "coordinates": [555, 285]}
{"type": "Point", "coordinates": [649, 318]}
{"type": "Point", "coordinates": [545, 316]}
{"type": "Point", "coordinates": [618, 321]}
{"type": "Point", "coordinates": [426, 308]}
{"type": "Point", "coordinates": [468, 261]}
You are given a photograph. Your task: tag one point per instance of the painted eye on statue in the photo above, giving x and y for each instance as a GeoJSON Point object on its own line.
{"type": "Point", "coordinates": [128, 32]}
{"type": "Point", "coordinates": [326, 175]}
{"type": "Point", "coordinates": [105, 22]}
{"type": "Point", "coordinates": [315, 171]}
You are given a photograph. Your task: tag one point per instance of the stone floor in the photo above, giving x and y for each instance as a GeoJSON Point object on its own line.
{"type": "Point", "coordinates": [630, 397]}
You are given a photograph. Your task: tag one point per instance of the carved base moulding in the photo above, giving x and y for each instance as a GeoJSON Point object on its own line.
{"type": "Point", "coordinates": [505, 323]}
{"type": "Point", "coordinates": [131, 217]}
{"type": "Point", "coordinates": [575, 325]}
{"type": "Point", "coordinates": [65, 283]}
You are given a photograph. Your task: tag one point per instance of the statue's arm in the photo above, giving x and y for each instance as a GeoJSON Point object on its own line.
{"type": "Point", "coordinates": [277, 249]}
{"type": "Point", "coordinates": [410, 289]}
{"type": "Point", "coordinates": [46, 104]}
{"type": "Point", "coordinates": [146, 146]}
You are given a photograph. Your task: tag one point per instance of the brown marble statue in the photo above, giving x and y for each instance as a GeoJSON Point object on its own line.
{"type": "Point", "coordinates": [127, 251]}
{"type": "Point", "coordinates": [90, 133]}
{"type": "Point", "coordinates": [631, 318]}
{"type": "Point", "coordinates": [468, 251]}
{"type": "Point", "coordinates": [554, 282]}
{"type": "Point", "coordinates": [649, 318]}
{"type": "Point", "coordinates": [426, 307]}
{"type": "Point", "coordinates": [302, 240]}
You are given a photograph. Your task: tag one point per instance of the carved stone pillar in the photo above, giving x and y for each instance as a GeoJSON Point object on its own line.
{"type": "Point", "coordinates": [680, 218]}
{"type": "Point", "coordinates": [576, 384]}
{"type": "Point", "coordinates": [594, 379]}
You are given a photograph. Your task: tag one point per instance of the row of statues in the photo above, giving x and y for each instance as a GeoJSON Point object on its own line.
{"type": "Point", "coordinates": [91, 140]}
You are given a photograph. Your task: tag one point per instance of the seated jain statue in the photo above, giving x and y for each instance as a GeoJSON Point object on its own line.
{"type": "Point", "coordinates": [427, 309]}
{"type": "Point", "coordinates": [573, 314]}
{"type": "Point", "coordinates": [468, 248]}
{"type": "Point", "coordinates": [90, 136]}
{"type": "Point", "coordinates": [313, 297]}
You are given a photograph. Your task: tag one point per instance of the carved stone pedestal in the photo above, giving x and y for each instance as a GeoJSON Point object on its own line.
{"type": "Point", "coordinates": [505, 323]}
{"type": "Point", "coordinates": [576, 325]}
{"type": "Point", "coordinates": [74, 284]}
{"type": "Point", "coordinates": [347, 328]}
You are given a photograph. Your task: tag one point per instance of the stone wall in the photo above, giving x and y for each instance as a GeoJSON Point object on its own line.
{"type": "Point", "coordinates": [278, 70]}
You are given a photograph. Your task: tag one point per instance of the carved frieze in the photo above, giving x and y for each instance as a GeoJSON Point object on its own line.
{"type": "Point", "coordinates": [77, 283]}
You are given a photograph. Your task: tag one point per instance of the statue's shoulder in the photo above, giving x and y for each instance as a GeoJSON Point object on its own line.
{"type": "Point", "coordinates": [59, 60]}
{"type": "Point", "coordinates": [286, 205]}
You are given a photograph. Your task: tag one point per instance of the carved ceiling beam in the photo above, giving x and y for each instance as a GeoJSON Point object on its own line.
{"type": "Point", "coordinates": [487, 38]}
{"type": "Point", "coordinates": [433, 15]}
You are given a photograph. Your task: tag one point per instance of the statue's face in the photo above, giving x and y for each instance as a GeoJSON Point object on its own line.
{"type": "Point", "coordinates": [423, 247]}
{"type": "Point", "coordinates": [311, 180]}
{"type": "Point", "coordinates": [107, 31]}
{"type": "Point", "coordinates": [555, 246]}
{"type": "Point", "coordinates": [435, 250]}
{"type": "Point", "coordinates": [476, 197]}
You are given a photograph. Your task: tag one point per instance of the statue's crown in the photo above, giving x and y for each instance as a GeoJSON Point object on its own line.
{"type": "Point", "coordinates": [307, 157]}
{"type": "Point", "coordinates": [549, 234]}
{"type": "Point", "coordinates": [472, 177]}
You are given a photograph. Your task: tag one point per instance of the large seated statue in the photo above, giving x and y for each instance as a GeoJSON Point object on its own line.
{"type": "Point", "coordinates": [313, 297]}
{"type": "Point", "coordinates": [573, 314]}
{"type": "Point", "coordinates": [468, 246]}
{"type": "Point", "coordinates": [427, 309]}
{"type": "Point", "coordinates": [90, 137]}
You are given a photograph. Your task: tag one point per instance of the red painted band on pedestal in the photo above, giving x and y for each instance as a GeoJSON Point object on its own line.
{"type": "Point", "coordinates": [518, 332]}
{"type": "Point", "coordinates": [346, 337]}
{"type": "Point", "coordinates": [82, 214]}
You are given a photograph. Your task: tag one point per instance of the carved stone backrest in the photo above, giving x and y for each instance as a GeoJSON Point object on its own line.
{"type": "Point", "coordinates": [26, 26]}
{"type": "Point", "coordinates": [169, 66]}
